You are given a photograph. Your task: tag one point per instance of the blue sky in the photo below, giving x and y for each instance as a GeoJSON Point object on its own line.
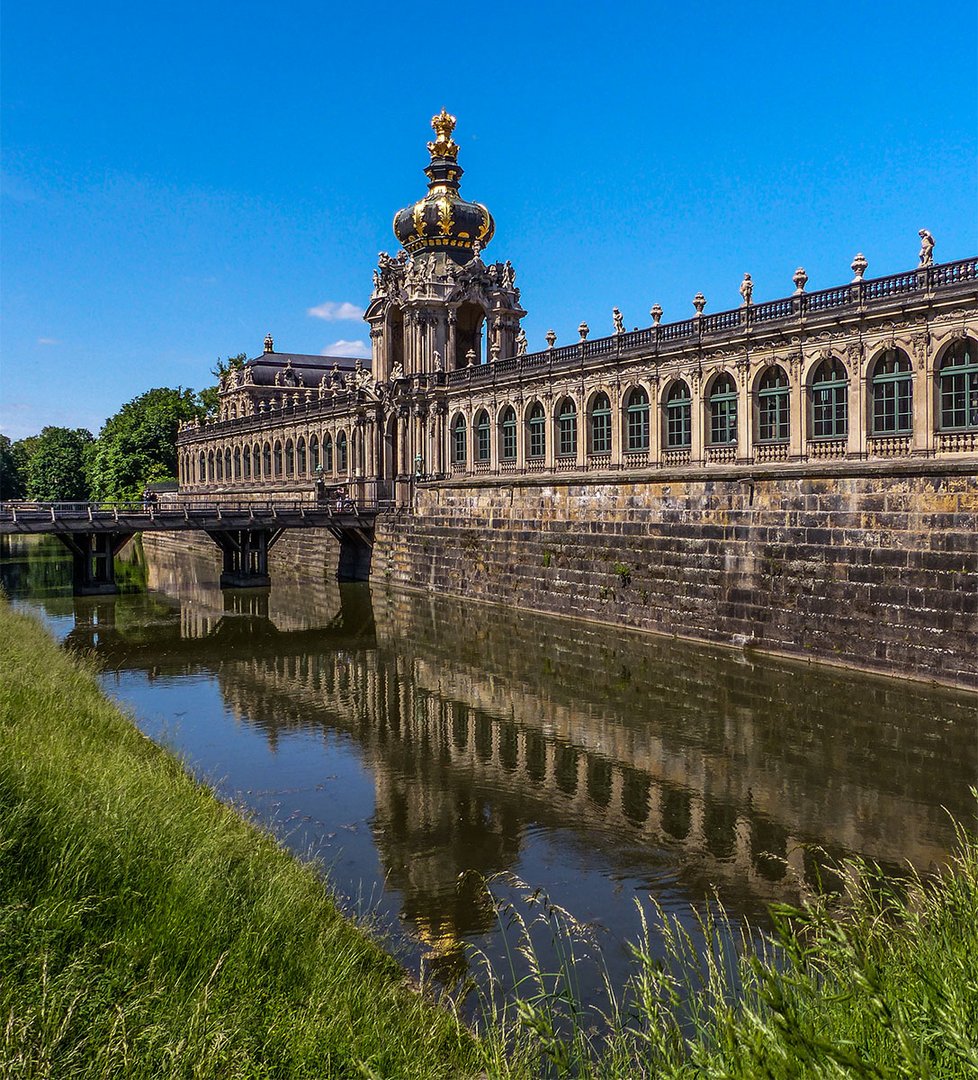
{"type": "Point", "coordinates": [179, 179]}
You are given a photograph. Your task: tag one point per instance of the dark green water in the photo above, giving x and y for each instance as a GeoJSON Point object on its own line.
{"type": "Point", "coordinates": [417, 746]}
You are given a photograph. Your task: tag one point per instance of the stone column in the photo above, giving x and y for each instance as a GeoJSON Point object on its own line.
{"type": "Point", "coordinates": [925, 396]}
{"type": "Point", "coordinates": [697, 418]}
{"type": "Point", "coordinates": [745, 412]}
{"type": "Point", "coordinates": [796, 408]}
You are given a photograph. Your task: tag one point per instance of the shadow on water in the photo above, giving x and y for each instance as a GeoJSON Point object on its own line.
{"type": "Point", "coordinates": [419, 745]}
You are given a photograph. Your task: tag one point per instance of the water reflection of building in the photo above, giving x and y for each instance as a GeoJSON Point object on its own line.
{"type": "Point", "coordinates": [477, 723]}
{"type": "Point", "coordinates": [630, 745]}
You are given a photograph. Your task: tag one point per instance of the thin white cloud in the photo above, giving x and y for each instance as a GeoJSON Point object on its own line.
{"type": "Point", "coordinates": [347, 348]}
{"type": "Point", "coordinates": [48, 341]}
{"type": "Point", "coordinates": [336, 311]}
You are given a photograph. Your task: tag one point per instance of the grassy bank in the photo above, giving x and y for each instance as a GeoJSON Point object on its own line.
{"type": "Point", "coordinates": [148, 931]}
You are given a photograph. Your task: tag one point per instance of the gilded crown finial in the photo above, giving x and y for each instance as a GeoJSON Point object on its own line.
{"type": "Point", "coordinates": [444, 145]}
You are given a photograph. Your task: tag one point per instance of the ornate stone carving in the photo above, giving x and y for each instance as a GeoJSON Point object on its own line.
{"type": "Point", "coordinates": [699, 303]}
{"type": "Point", "coordinates": [800, 278]}
{"type": "Point", "coordinates": [618, 320]}
{"type": "Point", "coordinates": [858, 266]}
{"type": "Point", "coordinates": [919, 343]}
{"type": "Point", "coordinates": [926, 248]}
{"type": "Point", "coordinates": [521, 342]}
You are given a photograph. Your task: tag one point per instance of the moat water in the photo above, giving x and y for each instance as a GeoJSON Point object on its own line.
{"type": "Point", "coordinates": [419, 747]}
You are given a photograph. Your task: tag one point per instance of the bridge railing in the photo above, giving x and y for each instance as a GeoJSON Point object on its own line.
{"type": "Point", "coordinates": [355, 497]}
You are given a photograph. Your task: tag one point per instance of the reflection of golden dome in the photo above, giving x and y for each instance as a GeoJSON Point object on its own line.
{"type": "Point", "coordinates": [445, 958]}
{"type": "Point", "coordinates": [441, 221]}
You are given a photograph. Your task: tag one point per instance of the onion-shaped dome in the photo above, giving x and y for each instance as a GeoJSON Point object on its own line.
{"type": "Point", "coordinates": [442, 221]}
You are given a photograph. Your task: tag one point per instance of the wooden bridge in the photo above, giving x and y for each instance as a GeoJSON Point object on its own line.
{"type": "Point", "coordinates": [245, 532]}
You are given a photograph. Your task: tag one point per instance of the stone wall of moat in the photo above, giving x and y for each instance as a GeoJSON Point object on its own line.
{"type": "Point", "coordinates": [872, 568]}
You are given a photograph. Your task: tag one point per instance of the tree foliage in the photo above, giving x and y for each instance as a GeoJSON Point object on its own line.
{"type": "Point", "coordinates": [11, 471]}
{"type": "Point", "coordinates": [138, 445]}
{"type": "Point", "coordinates": [55, 465]}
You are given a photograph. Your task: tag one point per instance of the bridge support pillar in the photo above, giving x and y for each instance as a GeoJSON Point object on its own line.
{"type": "Point", "coordinates": [245, 554]}
{"type": "Point", "coordinates": [93, 560]}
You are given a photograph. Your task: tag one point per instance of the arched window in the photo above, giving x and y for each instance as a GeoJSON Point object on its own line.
{"type": "Point", "coordinates": [210, 465]}
{"type": "Point", "coordinates": [237, 463]}
{"type": "Point", "coordinates": [483, 436]}
{"type": "Point", "coordinates": [277, 459]}
{"type": "Point", "coordinates": [289, 458]}
{"type": "Point", "coordinates": [202, 467]}
{"type": "Point", "coordinates": [679, 416]}
{"type": "Point", "coordinates": [830, 400]}
{"type": "Point", "coordinates": [256, 461]}
{"type": "Point", "coordinates": [538, 431]}
{"type": "Point", "coordinates": [772, 406]}
{"type": "Point", "coordinates": [892, 394]}
{"type": "Point", "coordinates": [458, 440]}
{"type": "Point", "coordinates": [342, 462]}
{"type": "Point", "coordinates": [246, 463]}
{"type": "Point", "coordinates": [637, 411]}
{"type": "Point", "coordinates": [314, 453]}
{"type": "Point", "coordinates": [723, 412]}
{"type": "Point", "coordinates": [328, 454]}
{"type": "Point", "coordinates": [300, 457]}
{"type": "Point", "coordinates": [267, 461]}
{"type": "Point", "coordinates": [227, 463]}
{"type": "Point", "coordinates": [959, 387]}
{"type": "Point", "coordinates": [508, 428]}
{"type": "Point", "coordinates": [601, 425]}
{"type": "Point", "coordinates": [220, 465]}
{"type": "Point", "coordinates": [567, 428]}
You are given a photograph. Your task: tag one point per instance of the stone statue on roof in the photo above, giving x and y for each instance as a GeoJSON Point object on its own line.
{"type": "Point", "coordinates": [747, 290]}
{"type": "Point", "coordinates": [926, 248]}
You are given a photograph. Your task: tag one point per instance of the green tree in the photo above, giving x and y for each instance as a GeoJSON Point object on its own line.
{"type": "Point", "coordinates": [56, 464]}
{"type": "Point", "coordinates": [138, 446]}
{"type": "Point", "coordinates": [11, 471]}
{"type": "Point", "coordinates": [209, 397]}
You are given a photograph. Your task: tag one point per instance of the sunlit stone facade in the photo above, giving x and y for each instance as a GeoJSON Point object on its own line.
{"type": "Point", "coordinates": [875, 369]}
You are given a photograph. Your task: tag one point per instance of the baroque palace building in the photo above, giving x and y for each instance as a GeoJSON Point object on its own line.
{"type": "Point", "coordinates": [874, 370]}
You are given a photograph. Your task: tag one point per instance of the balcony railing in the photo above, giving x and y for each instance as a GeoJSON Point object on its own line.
{"type": "Point", "coordinates": [854, 296]}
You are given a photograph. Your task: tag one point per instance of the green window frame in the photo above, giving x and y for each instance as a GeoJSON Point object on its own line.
{"type": "Point", "coordinates": [679, 417]}
{"type": "Point", "coordinates": [637, 411]}
{"type": "Point", "coordinates": [601, 425]}
{"type": "Point", "coordinates": [723, 412]}
{"type": "Point", "coordinates": [483, 437]}
{"type": "Point", "coordinates": [459, 448]}
{"type": "Point", "coordinates": [342, 453]}
{"type": "Point", "coordinates": [773, 413]}
{"type": "Point", "coordinates": [567, 429]}
{"type": "Point", "coordinates": [538, 432]}
{"type": "Point", "coordinates": [892, 389]}
{"type": "Point", "coordinates": [959, 387]}
{"type": "Point", "coordinates": [830, 400]}
{"type": "Point", "coordinates": [509, 434]}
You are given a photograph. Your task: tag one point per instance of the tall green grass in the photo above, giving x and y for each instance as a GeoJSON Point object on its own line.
{"type": "Point", "coordinates": [148, 931]}
{"type": "Point", "coordinates": [880, 981]}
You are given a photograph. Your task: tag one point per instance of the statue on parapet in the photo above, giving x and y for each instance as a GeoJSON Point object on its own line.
{"type": "Point", "coordinates": [747, 291]}
{"type": "Point", "coordinates": [521, 342]}
{"type": "Point", "coordinates": [619, 321]}
{"type": "Point", "coordinates": [926, 248]}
